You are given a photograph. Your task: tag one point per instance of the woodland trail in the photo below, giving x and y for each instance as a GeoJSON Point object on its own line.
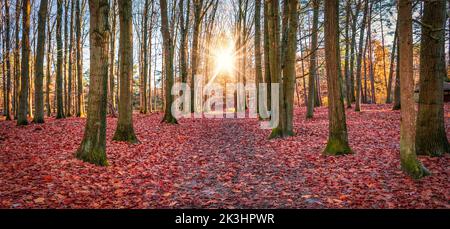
{"type": "Point", "coordinates": [217, 163]}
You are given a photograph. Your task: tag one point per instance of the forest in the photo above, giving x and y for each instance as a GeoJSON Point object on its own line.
{"type": "Point", "coordinates": [224, 104]}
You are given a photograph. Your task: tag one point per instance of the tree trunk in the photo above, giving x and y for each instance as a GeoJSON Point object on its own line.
{"type": "Point", "coordinates": [198, 6]}
{"type": "Point", "coordinates": [24, 81]}
{"type": "Point", "coordinates": [370, 50]}
{"type": "Point", "coordinates": [352, 51]}
{"type": "Point", "coordinates": [93, 146]}
{"type": "Point", "coordinates": [48, 75]}
{"type": "Point", "coordinates": [409, 162]}
{"type": "Point", "coordinates": [80, 105]}
{"type": "Point", "coordinates": [39, 64]}
{"type": "Point", "coordinates": [289, 70]}
{"type": "Point", "coordinates": [359, 58]}
{"type": "Point", "coordinates": [337, 139]}
{"type": "Point", "coordinates": [65, 57]}
{"type": "Point", "coordinates": [313, 60]}
{"type": "Point", "coordinates": [391, 68]}
{"type": "Point", "coordinates": [267, 77]}
{"type": "Point", "coordinates": [431, 138]}
{"type": "Point", "coordinates": [59, 61]}
{"type": "Point", "coordinates": [184, 31]}
{"type": "Point", "coordinates": [384, 49]}
{"type": "Point", "coordinates": [17, 61]}
{"type": "Point", "coordinates": [347, 55]}
{"type": "Point", "coordinates": [258, 58]}
{"type": "Point", "coordinates": [125, 130]}
{"type": "Point", "coordinates": [111, 96]}
{"type": "Point", "coordinates": [70, 71]}
{"type": "Point", "coordinates": [168, 59]}
{"type": "Point", "coordinates": [144, 108]}
{"type": "Point", "coordinates": [275, 62]}
{"type": "Point", "coordinates": [8, 62]}
{"type": "Point", "coordinates": [397, 101]}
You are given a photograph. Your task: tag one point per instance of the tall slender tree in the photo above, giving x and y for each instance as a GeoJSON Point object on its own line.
{"type": "Point", "coordinates": [168, 60]}
{"type": "Point", "coordinates": [348, 97]}
{"type": "Point", "coordinates": [397, 101]}
{"type": "Point", "coordinates": [195, 56]}
{"type": "Point", "coordinates": [39, 64]}
{"type": "Point", "coordinates": [17, 60]}
{"type": "Point", "coordinates": [273, 35]}
{"type": "Point", "coordinates": [359, 58]}
{"type": "Point", "coordinates": [184, 32]}
{"type": "Point", "coordinates": [112, 53]}
{"type": "Point", "coordinates": [409, 162]}
{"type": "Point", "coordinates": [258, 56]}
{"type": "Point", "coordinates": [59, 61]}
{"type": "Point", "coordinates": [391, 68]}
{"type": "Point", "coordinates": [8, 62]}
{"type": "Point", "coordinates": [267, 76]}
{"type": "Point", "coordinates": [143, 94]}
{"type": "Point", "coordinates": [313, 60]}
{"type": "Point", "coordinates": [338, 136]}
{"type": "Point", "coordinates": [25, 77]}
{"type": "Point", "coordinates": [70, 63]}
{"type": "Point", "coordinates": [431, 137]}
{"type": "Point", "coordinates": [355, 17]}
{"type": "Point", "coordinates": [49, 60]}
{"type": "Point", "coordinates": [93, 145]}
{"type": "Point", "coordinates": [80, 105]}
{"type": "Point", "coordinates": [125, 130]}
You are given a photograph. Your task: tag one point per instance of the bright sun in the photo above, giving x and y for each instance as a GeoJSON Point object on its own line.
{"type": "Point", "coordinates": [224, 58]}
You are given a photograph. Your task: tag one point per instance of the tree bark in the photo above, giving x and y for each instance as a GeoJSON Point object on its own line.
{"type": "Point", "coordinates": [184, 31]}
{"type": "Point", "coordinates": [80, 102]}
{"type": "Point", "coordinates": [144, 107]}
{"type": "Point", "coordinates": [313, 61]}
{"type": "Point", "coordinates": [168, 59]}
{"type": "Point", "coordinates": [48, 75]}
{"type": "Point", "coordinates": [17, 61]}
{"type": "Point", "coordinates": [359, 58]}
{"type": "Point", "coordinates": [125, 129]}
{"type": "Point", "coordinates": [431, 137]}
{"type": "Point", "coordinates": [65, 58]}
{"type": "Point", "coordinates": [347, 55]}
{"type": "Point", "coordinates": [59, 62]}
{"type": "Point", "coordinates": [93, 146]}
{"type": "Point", "coordinates": [338, 137]}
{"type": "Point", "coordinates": [267, 77]}
{"type": "Point", "coordinates": [111, 82]}
{"type": "Point", "coordinates": [198, 6]}
{"type": "Point", "coordinates": [383, 45]}
{"type": "Point", "coordinates": [7, 43]}
{"type": "Point", "coordinates": [70, 63]}
{"type": "Point", "coordinates": [258, 57]}
{"type": "Point", "coordinates": [273, 24]}
{"type": "Point", "coordinates": [397, 101]}
{"type": "Point", "coordinates": [391, 67]}
{"type": "Point", "coordinates": [22, 118]}
{"type": "Point", "coordinates": [353, 50]}
{"type": "Point", "coordinates": [39, 63]}
{"type": "Point", "coordinates": [370, 50]}
{"type": "Point", "coordinates": [409, 162]}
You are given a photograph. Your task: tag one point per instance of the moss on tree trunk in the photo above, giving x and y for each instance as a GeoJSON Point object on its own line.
{"type": "Point", "coordinates": [338, 137]}
{"type": "Point", "coordinates": [409, 162]}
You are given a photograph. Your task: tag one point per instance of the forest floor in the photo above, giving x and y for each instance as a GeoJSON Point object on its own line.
{"type": "Point", "coordinates": [226, 163]}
